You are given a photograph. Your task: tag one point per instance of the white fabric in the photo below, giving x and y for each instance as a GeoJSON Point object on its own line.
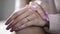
{"type": "Point", "coordinates": [54, 23]}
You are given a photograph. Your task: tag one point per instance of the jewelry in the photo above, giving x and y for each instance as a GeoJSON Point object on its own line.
{"type": "Point", "coordinates": [28, 18]}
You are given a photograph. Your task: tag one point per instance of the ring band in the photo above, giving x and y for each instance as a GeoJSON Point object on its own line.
{"type": "Point", "coordinates": [27, 18]}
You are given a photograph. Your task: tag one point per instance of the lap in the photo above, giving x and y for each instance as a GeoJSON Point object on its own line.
{"type": "Point", "coordinates": [31, 30]}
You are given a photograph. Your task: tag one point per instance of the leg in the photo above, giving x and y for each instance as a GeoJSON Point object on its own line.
{"type": "Point", "coordinates": [31, 30]}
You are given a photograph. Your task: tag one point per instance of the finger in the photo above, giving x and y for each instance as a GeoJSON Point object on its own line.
{"type": "Point", "coordinates": [41, 11]}
{"type": "Point", "coordinates": [11, 30]}
{"type": "Point", "coordinates": [19, 18]}
{"type": "Point", "coordinates": [44, 8]}
{"type": "Point", "coordinates": [19, 24]}
{"type": "Point", "coordinates": [14, 15]}
{"type": "Point", "coordinates": [9, 25]}
{"type": "Point", "coordinates": [31, 17]}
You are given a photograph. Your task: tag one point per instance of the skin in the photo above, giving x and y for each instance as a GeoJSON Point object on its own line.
{"type": "Point", "coordinates": [31, 30]}
{"type": "Point", "coordinates": [26, 17]}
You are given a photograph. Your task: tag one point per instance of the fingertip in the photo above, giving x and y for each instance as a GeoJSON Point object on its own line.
{"type": "Point", "coordinates": [11, 30]}
{"type": "Point", "coordinates": [46, 12]}
{"type": "Point", "coordinates": [7, 22]}
{"type": "Point", "coordinates": [46, 18]}
{"type": "Point", "coordinates": [8, 28]}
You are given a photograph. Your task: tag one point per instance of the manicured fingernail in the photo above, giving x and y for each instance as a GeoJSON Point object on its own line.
{"type": "Point", "coordinates": [46, 18]}
{"type": "Point", "coordinates": [7, 28]}
{"type": "Point", "coordinates": [46, 12]}
{"type": "Point", "coordinates": [6, 23]}
{"type": "Point", "coordinates": [11, 30]}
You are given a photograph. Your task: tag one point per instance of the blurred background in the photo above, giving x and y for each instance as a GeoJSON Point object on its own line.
{"type": "Point", "coordinates": [8, 6]}
{"type": "Point", "coordinates": [6, 9]}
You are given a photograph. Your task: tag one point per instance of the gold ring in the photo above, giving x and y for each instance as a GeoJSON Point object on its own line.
{"type": "Point", "coordinates": [28, 18]}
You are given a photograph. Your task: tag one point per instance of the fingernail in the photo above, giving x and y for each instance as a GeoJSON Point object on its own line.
{"type": "Point", "coordinates": [11, 30]}
{"type": "Point", "coordinates": [46, 18]}
{"type": "Point", "coordinates": [7, 28]}
{"type": "Point", "coordinates": [6, 23]}
{"type": "Point", "coordinates": [46, 12]}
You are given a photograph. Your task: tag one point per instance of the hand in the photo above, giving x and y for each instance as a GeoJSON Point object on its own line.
{"type": "Point", "coordinates": [26, 17]}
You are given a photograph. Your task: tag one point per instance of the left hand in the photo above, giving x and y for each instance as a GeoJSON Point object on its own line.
{"type": "Point", "coordinates": [24, 18]}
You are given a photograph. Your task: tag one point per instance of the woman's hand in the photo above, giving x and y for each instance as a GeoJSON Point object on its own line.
{"type": "Point", "coordinates": [26, 17]}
